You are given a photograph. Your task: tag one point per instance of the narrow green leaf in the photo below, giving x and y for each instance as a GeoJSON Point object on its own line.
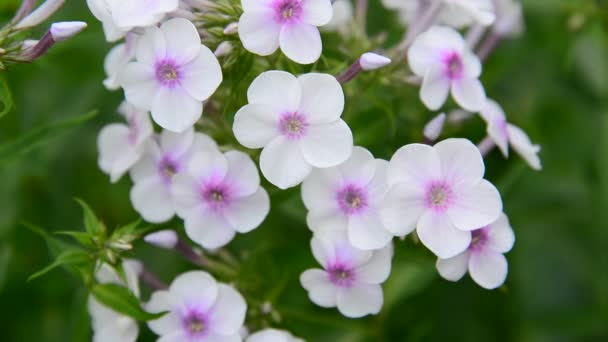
{"type": "Point", "coordinates": [121, 300]}
{"type": "Point", "coordinates": [56, 246]}
{"type": "Point", "coordinates": [6, 99]}
{"type": "Point", "coordinates": [72, 257]}
{"type": "Point", "coordinates": [91, 222]}
{"type": "Point", "coordinates": [84, 238]}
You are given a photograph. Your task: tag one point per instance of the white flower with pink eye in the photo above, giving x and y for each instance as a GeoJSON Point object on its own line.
{"type": "Point", "coordinates": [297, 122]}
{"type": "Point", "coordinates": [153, 174]}
{"type": "Point", "coordinates": [272, 335]}
{"type": "Point", "coordinates": [291, 25]}
{"type": "Point", "coordinates": [199, 310]}
{"type": "Point", "coordinates": [173, 74]}
{"type": "Point", "coordinates": [504, 134]}
{"type": "Point", "coordinates": [350, 279]}
{"type": "Point", "coordinates": [440, 192]}
{"type": "Point", "coordinates": [102, 11]}
{"type": "Point", "coordinates": [484, 257]}
{"type": "Point", "coordinates": [219, 195]}
{"type": "Point", "coordinates": [121, 146]}
{"type": "Point", "coordinates": [116, 60]}
{"type": "Point", "coordinates": [348, 197]}
{"type": "Point", "coordinates": [442, 58]}
{"type": "Point", "coordinates": [461, 13]}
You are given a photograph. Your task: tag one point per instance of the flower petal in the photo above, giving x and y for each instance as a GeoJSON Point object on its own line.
{"type": "Point", "coordinates": [322, 98]}
{"type": "Point", "coordinates": [320, 290]}
{"type": "Point", "coordinates": [460, 161]}
{"type": "Point", "coordinates": [151, 47]}
{"type": "Point", "coordinates": [195, 285]}
{"type": "Point", "coordinates": [415, 164]}
{"type": "Point", "coordinates": [327, 145]}
{"type": "Point", "coordinates": [146, 167]}
{"type": "Point", "coordinates": [427, 49]}
{"type": "Point", "coordinates": [378, 268]}
{"type": "Point", "coordinates": [176, 144]}
{"type": "Point", "coordinates": [183, 40]}
{"type": "Point", "coordinates": [328, 219]}
{"type": "Point", "coordinates": [523, 146]}
{"type": "Point", "coordinates": [435, 88]}
{"type": "Point", "coordinates": [500, 235]}
{"type": "Point", "coordinates": [228, 311]}
{"type": "Point", "coordinates": [175, 110]}
{"type": "Point", "coordinates": [242, 174]}
{"type": "Point", "coordinates": [185, 194]}
{"type": "Point", "coordinates": [152, 200]}
{"type": "Point", "coordinates": [317, 12]}
{"type": "Point", "coordinates": [454, 268]}
{"type": "Point", "coordinates": [255, 125]}
{"type": "Point", "coordinates": [378, 186]}
{"type": "Point", "coordinates": [439, 235]}
{"type": "Point", "coordinates": [359, 168]}
{"type": "Point", "coordinates": [208, 229]}
{"type": "Point", "coordinates": [475, 205]}
{"type": "Point", "coordinates": [159, 302]}
{"type": "Point", "coordinates": [116, 154]}
{"type": "Point", "coordinates": [276, 89]}
{"type": "Point", "coordinates": [401, 209]}
{"type": "Point", "coordinates": [366, 231]}
{"type": "Point", "coordinates": [469, 94]}
{"type": "Point", "coordinates": [319, 190]}
{"type": "Point", "coordinates": [283, 164]}
{"type": "Point", "coordinates": [488, 269]}
{"type": "Point", "coordinates": [209, 165]}
{"type": "Point", "coordinates": [139, 84]}
{"type": "Point", "coordinates": [258, 32]}
{"type": "Point", "coordinates": [301, 43]}
{"type": "Point", "coordinates": [496, 120]}
{"type": "Point", "coordinates": [247, 213]}
{"type": "Point", "coordinates": [360, 300]}
{"type": "Point", "coordinates": [203, 75]}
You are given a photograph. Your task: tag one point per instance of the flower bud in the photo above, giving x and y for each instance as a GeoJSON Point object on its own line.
{"type": "Point", "coordinates": [373, 61]}
{"type": "Point", "coordinates": [166, 239]}
{"type": "Point", "coordinates": [433, 129]}
{"type": "Point", "coordinates": [42, 13]}
{"type": "Point", "coordinates": [225, 48]}
{"type": "Point", "coordinates": [66, 29]}
{"type": "Point", "coordinates": [232, 28]}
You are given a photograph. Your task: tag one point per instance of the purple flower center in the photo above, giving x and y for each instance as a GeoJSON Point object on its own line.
{"type": "Point", "coordinates": [287, 11]}
{"type": "Point", "coordinates": [292, 125]}
{"type": "Point", "coordinates": [352, 199]}
{"type": "Point", "coordinates": [216, 196]}
{"type": "Point", "coordinates": [453, 65]}
{"type": "Point", "coordinates": [341, 275]}
{"type": "Point", "coordinates": [195, 323]}
{"type": "Point", "coordinates": [439, 196]}
{"type": "Point", "coordinates": [167, 168]}
{"type": "Point", "coordinates": [479, 238]}
{"type": "Point", "coordinates": [168, 73]}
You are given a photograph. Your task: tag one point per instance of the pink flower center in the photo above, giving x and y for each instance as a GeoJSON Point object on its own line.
{"type": "Point", "coordinates": [168, 168]}
{"type": "Point", "coordinates": [453, 65]}
{"type": "Point", "coordinates": [439, 196]}
{"type": "Point", "coordinates": [352, 199]}
{"type": "Point", "coordinates": [287, 11]}
{"type": "Point", "coordinates": [292, 125]}
{"type": "Point", "coordinates": [479, 238]}
{"type": "Point", "coordinates": [195, 323]}
{"type": "Point", "coordinates": [341, 275]}
{"type": "Point", "coordinates": [216, 196]}
{"type": "Point", "coordinates": [168, 73]}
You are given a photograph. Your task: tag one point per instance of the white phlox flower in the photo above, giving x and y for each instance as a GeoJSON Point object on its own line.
{"type": "Point", "coordinates": [343, 14]}
{"type": "Point", "coordinates": [272, 335]}
{"type": "Point", "coordinates": [117, 59]}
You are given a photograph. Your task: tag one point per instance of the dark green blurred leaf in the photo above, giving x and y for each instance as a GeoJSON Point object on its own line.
{"type": "Point", "coordinates": [74, 257]}
{"type": "Point", "coordinates": [91, 223]}
{"type": "Point", "coordinates": [56, 246]}
{"type": "Point", "coordinates": [6, 99]}
{"type": "Point", "coordinates": [121, 300]}
{"type": "Point", "coordinates": [83, 238]}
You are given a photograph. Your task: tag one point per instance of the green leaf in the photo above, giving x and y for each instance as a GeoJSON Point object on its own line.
{"type": "Point", "coordinates": [121, 300]}
{"type": "Point", "coordinates": [37, 137]}
{"type": "Point", "coordinates": [91, 222]}
{"type": "Point", "coordinates": [6, 99]}
{"type": "Point", "coordinates": [84, 238]}
{"type": "Point", "coordinates": [56, 246]}
{"type": "Point", "coordinates": [74, 257]}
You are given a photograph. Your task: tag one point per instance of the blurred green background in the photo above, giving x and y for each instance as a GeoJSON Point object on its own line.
{"type": "Point", "coordinates": [553, 81]}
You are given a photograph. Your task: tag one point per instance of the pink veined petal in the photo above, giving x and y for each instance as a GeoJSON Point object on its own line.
{"type": "Point", "coordinates": [488, 269]}
{"type": "Point", "coordinates": [523, 146]}
{"type": "Point", "coordinates": [475, 205]}
{"type": "Point", "coordinates": [438, 234]}
{"type": "Point", "coordinates": [175, 110]}
{"type": "Point", "coordinates": [151, 47]}
{"type": "Point", "coordinates": [301, 42]}
{"type": "Point", "coordinates": [360, 300]}
{"type": "Point", "coordinates": [159, 302]}
{"type": "Point", "coordinates": [402, 208]}
{"type": "Point", "coordinates": [327, 145]}
{"type": "Point", "coordinates": [228, 312]}
{"type": "Point", "coordinates": [196, 286]}
{"type": "Point", "coordinates": [366, 231]}
{"type": "Point", "coordinates": [435, 87]}
{"type": "Point", "coordinates": [460, 161]}
{"type": "Point", "coordinates": [378, 268]}
{"type": "Point", "coordinates": [283, 164]}
{"type": "Point", "coordinates": [183, 40]}
{"type": "Point", "coordinates": [259, 33]}
{"type": "Point", "coordinates": [152, 200]}
{"type": "Point", "coordinates": [203, 75]}
{"type": "Point", "coordinates": [319, 189]}
{"type": "Point", "coordinates": [359, 168]}
{"type": "Point", "coordinates": [415, 164]}
{"type": "Point", "coordinates": [208, 229]}
{"type": "Point", "coordinates": [327, 219]}
{"type": "Point", "coordinates": [139, 84]}
{"type": "Point", "coordinates": [322, 98]}
{"type": "Point", "coordinates": [276, 89]}
{"type": "Point", "coordinates": [255, 125]}
{"type": "Point", "coordinates": [469, 94]}
{"type": "Point", "coordinates": [185, 193]}
{"type": "Point", "coordinates": [320, 290]}
{"type": "Point", "coordinates": [454, 268]}
{"type": "Point", "coordinates": [500, 237]}
{"type": "Point", "coordinates": [317, 12]}
{"type": "Point", "coordinates": [242, 174]}
{"type": "Point", "coordinates": [247, 213]}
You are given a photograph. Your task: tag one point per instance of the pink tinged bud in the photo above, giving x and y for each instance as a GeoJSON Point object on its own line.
{"type": "Point", "coordinates": [433, 129]}
{"type": "Point", "coordinates": [232, 28]}
{"type": "Point", "coordinates": [224, 49]}
{"type": "Point", "coordinates": [42, 13]}
{"type": "Point", "coordinates": [373, 61]}
{"type": "Point", "coordinates": [166, 239]}
{"type": "Point", "coordinates": [29, 43]}
{"type": "Point", "coordinates": [66, 29]}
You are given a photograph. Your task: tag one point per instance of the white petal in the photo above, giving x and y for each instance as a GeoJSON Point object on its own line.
{"type": "Point", "coordinates": [202, 75]}
{"type": "Point", "coordinates": [175, 110]}
{"type": "Point", "coordinates": [435, 88]}
{"type": "Point", "coordinates": [283, 164]}
{"type": "Point", "coordinates": [322, 98]}
{"type": "Point", "coordinates": [228, 311]}
{"type": "Point", "coordinates": [500, 235]}
{"type": "Point", "coordinates": [152, 200]}
{"type": "Point", "coordinates": [453, 269]}
{"type": "Point", "coordinates": [223, 338]}
{"type": "Point", "coordinates": [208, 165]}
{"type": "Point", "coordinates": [256, 5]}
{"type": "Point", "coordinates": [327, 145]}
{"type": "Point", "coordinates": [319, 190]}
{"type": "Point", "coordinates": [320, 290]}
{"type": "Point", "coordinates": [208, 229]}
{"type": "Point", "coordinates": [242, 174]}
{"type": "Point", "coordinates": [475, 205]}
{"type": "Point", "coordinates": [378, 186]}
{"type": "Point", "coordinates": [259, 33]}
{"type": "Point", "coordinates": [113, 65]}
{"type": "Point", "coordinates": [469, 94]}
{"type": "Point", "coordinates": [203, 142]}
{"type": "Point", "coordinates": [255, 125]}
{"type": "Point", "coordinates": [360, 300]}
{"type": "Point", "coordinates": [271, 335]}
{"type": "Point", "coordinates": [401, 209]}
{"type": "Point", "coordinates": [438, 234]}
{"type": "Point", "coordinates": [301, 43]}
{"type": "Point", "coordinates": [139, 84]}
{"type": "Point", "coordinates": [488, 269]}
{"type": "Point", "coordinates": [415, 164]}
{"type": "Point", "coordinates": [278, 89]}
{"type": "Point", "coordinates": [471, 65]}
{"type": "Point", "coordinates": [317, 12]}
{"type": "Point", "coordinates": [523, 146]}
{"type": "Point", "coordinates": [360, 167]}
{"type": "Point", "coordinates": [378, 268]}
{"type": "Point", "coordinates": [496, 120]}
{"type": "Point", "coordinates": [116, 154]}
{"type": "Point", "coordinates": [460, 161]}
{"type": "Point", "coordinates": [196, 286]}
{"type": "Point", "coordinates": [366, 231]}
{"type": "Point", "coordinates": [159, 302]}
{"type": "Point", "coordinates": [337, 248]}
{"type": "Point", "coordinates": [151, 47]}
{"type": "Point", "coordinates": [247, 213]}
{"type": "Point", "coordinates": [183, 41]}
{"type": "Point", "coordinates": [175, 336]}
{"type": "Point", "coordinates": [427, 49]}
{"type": "Point", "coordinates": [146, 167]}
{"type": "Point", "coordinates": [328, 219]}
{"type": "Point", "coordinates": [176, 144]}
{"type": "Point", "coordinates": [185, 193]}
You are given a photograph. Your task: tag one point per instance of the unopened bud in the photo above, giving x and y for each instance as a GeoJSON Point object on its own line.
{"type": "Point", "coordinates": [39, 15]}
{"type": "Point", "coordinates": [373, 61]}
{"type": "Point", "coordinates": [232, 28]}
{"type": "Point", "coordinates": [29, 43]}
{"type": "Point", "coordinates": [163, 238]}
{"type": "Point", "coordinates": [433, 129]}
{"type": "Point", "coordinates": [225, 48]}
{"type": "Point", "coordinates": [66, 29]}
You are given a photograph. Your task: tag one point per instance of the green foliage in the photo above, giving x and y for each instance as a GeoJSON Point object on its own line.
{"type": "Point", "coordinates": [120, 299]}
{"type": "Point", "coordinates": [6, 99]}
{"type": "Point", "coordinates": [75, 258]}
